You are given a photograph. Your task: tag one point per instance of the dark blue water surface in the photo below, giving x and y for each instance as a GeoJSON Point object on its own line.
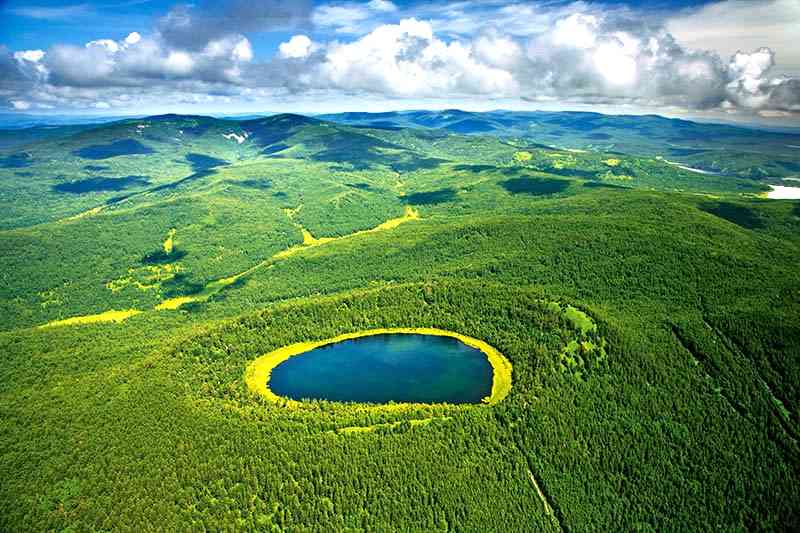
{"type": "Point", "coordinates": [383, 368]}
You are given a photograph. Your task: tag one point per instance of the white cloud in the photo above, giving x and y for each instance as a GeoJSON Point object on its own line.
{"type": "Point", "coordinates": [20, 105]}
{"type": "Point", "coordinates": [497, 50]}
{"type": "Point", "coordinates": [243, 51]}
{"type": "Point", "coordinates": [616, 64]}
{"type": "Point", "coordinates": [34, 56]}
{"type": "Point", "coordinates": [235, 48]}
{"type": "Point", "coordinates": [382, 6]}
{"type": "Point", "coordinates": [343, 19]}
{"type": "Point", "coordinates": [539, 52]}
{"type": "Point", "coordinates": [133, 38]}
{"type": "Point", "coordinates": [72, 65]}
{"type": "Point", "coordinates": [51, 13]}
{"type": "Point", "coordinates": [577, 30]}
{"type": "Point", "coordinates": [179, 63]}
{"type": "Point", "coordinates": [406, 59]}
{"type": "Point", "coordinates": [108, 44]}
{"type": "Point", "coordinates": [298, 47]}
{"type": "Point", "coordinates": [734, 25]}
{"type": "Point", "coordinates": [352, 17]}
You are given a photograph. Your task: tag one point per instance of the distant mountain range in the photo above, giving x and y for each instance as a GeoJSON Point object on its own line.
{"type": "Point", "coordinates": [717, 148]}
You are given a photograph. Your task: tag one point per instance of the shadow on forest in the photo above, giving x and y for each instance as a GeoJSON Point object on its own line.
{"type": "Point", "coordinates": [274, 149]}
{"type": "Point", "coordinates": [430, 197]}
{"type": "Point", "coordinates": [474, 168]}
{"type": "Point", "coordinates": [571, 172]}
{"type": "Point", "coordinates": [599, 136]}
{"type": "Point", "coordinates": [601, 185]}
{"type": "Point", "coordinates": [101, 184]}
{"type": "Point", "coordinates": [200, 162]}
{"type": "Point", "coordinates": [682, 152]}
{"type": "Point", "coordinates": [260, 184]}
{"type": "Point", "coordinates": [737, 214]}
{"type": "Point", "coordinates": [161, 257]}
{"type": "Point", "coordinates": [16, 161]}
{"type": "Point", "coordinates": [114, 149]}
{"type": "Point", "coordinates": [534, 186]}
{"type": "Point", "coordinates": [203, 165]}
{"type": "Point", "coordinates": [360, 186]}
{"type": "Point", "coordinates": [180, 286]}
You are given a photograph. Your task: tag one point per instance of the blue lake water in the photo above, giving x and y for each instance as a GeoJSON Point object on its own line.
{"type": "Point", "coordinates": [383, 368]}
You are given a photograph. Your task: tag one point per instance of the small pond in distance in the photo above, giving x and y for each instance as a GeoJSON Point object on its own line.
{"type": "Point", "coordinates": [388, 367]}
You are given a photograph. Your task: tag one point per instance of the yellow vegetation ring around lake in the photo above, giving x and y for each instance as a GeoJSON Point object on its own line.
{"type": "Point", "coordinates": [258, 372]}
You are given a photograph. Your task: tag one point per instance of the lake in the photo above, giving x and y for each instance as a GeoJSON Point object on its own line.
{"type": "Point", "coordinates": [388, 367]}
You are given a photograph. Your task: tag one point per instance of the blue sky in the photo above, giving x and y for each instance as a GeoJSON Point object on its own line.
{"type": "Point", "coordinates": [676, 57]}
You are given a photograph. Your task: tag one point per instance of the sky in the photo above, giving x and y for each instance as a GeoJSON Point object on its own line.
{"type": "Point", "coordinates": [730, 59]}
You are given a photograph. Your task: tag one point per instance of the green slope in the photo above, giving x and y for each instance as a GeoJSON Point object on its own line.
{"type": "Point", "coordinates": [688, 420]}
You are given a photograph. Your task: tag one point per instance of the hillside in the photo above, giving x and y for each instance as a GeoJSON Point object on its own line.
{"type": "Point", "coordinates": [724, 149]}
{"type": "Point", "coordinates": [651, 313]}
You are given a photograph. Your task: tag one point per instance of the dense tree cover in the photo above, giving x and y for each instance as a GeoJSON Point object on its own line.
{"type": "Point", "coordinates": [726, 149]}
{"type": "Point", "coordinates": [687, 419]}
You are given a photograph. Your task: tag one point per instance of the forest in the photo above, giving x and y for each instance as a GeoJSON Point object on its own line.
{"type": "Point", "coordinates": [651, 314]}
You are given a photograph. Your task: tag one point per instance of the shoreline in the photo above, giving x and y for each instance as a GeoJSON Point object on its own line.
{"type": "Point", "coordinates": [258, 372]}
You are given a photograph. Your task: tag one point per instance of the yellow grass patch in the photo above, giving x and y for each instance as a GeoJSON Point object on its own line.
{"type": "Point", "coordinates": [108, 316]}
{"type": "Point", "coordinates": [145, 278]}
{"type": "Point", "coordinates": [258, 372]}
{"type": "Point", "coordinates": [84, 214]}
{"type": "Point", "coordinates": [612, 162]}
{"type": "Point", "coordinates": [169, 243]}
{"type": "Point", "coordinates": [309, 241]}
{"type": "Point", "coordinates": [174, 303]}
{"type": "Point", "coordinates": [409, 214]}
{"type": "Point", "coordinates": [522, 157]}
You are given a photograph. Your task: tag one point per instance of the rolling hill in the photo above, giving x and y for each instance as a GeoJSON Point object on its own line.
{"type": "Point", "coordinates": [725, 149]}
{"type": "Point", "coordinates": [650, 311]}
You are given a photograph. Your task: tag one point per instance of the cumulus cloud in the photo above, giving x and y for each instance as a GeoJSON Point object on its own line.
{"type": "Point", "coordinates": [406, 59]}
{"type": "Point", "coordinates": [34, 56]}
{"type": "Point", "coordinates": [137, 61]}
{"type": "Point", "coordinates": [733, 25]}
{"type": "Point", "coordinates": [570, 53]}
{"type": "Point", "coordinates": [580, 57]}
{"type": "Point", "coordinates": [298, 47]}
